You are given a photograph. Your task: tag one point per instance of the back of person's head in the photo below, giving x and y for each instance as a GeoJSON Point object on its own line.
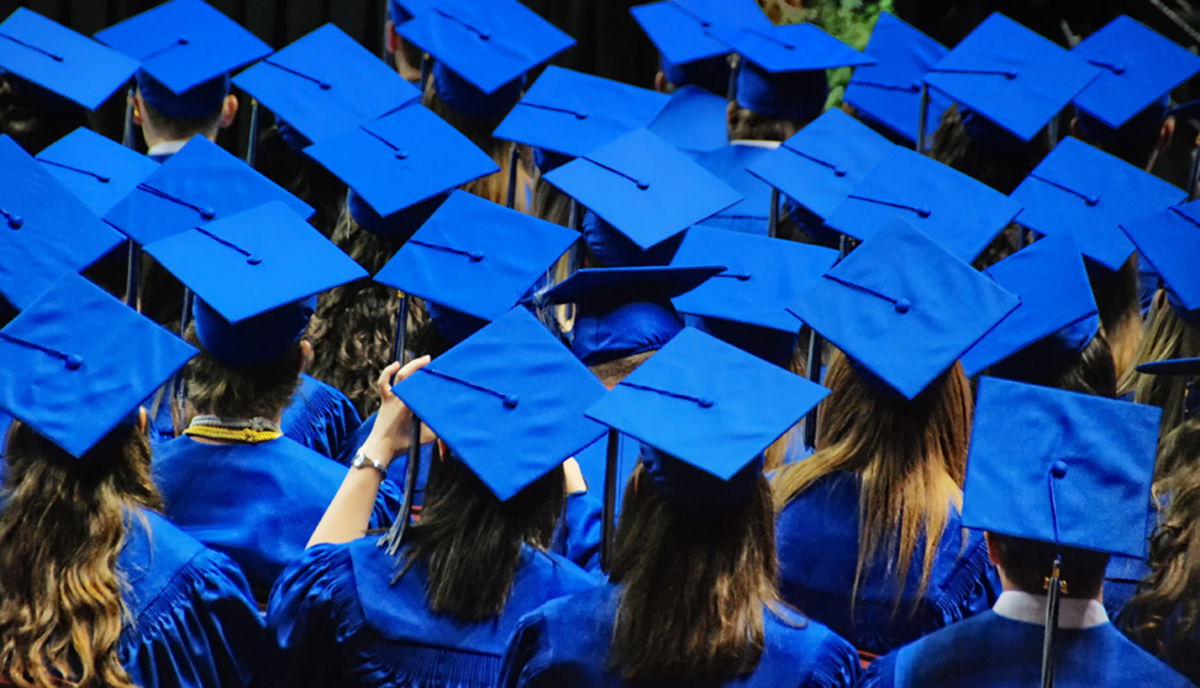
{"type": "Point", "coordinates": [1026, 564]}
{"type": "Point", "coordinates": [1167, 336]}
{"type": "Point", "coordinates": [34, 117]}
{"type": "Point", "coordinates": [302, 176]}
{"type": "Point", "coordinates": [493, 187]}
{"type": "Point", "coordinates": [472, 543]}
{"type": "Point", "coordinates": [911, 455]}
{"type": "Point", "coordinates": [1050, 363]}
{"type": "Point", "coordinates": [61, 530]}
{"type": "Point", "coordinates": [215, 387]}
{"type": "Point", "coordinates": [1118, 298]}
{"type": "Point", "coordinates": [745, 124]}
{"type": "Point", "coordinates": [976, 147]}
{"type": "Point", "coordinates": [693, 587]}
{"type": "Point", "coordinates": [180, 128]}
{"type": "Point", "coordinates": [1137, 142]}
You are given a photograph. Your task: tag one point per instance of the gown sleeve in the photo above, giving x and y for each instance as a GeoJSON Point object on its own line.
{"type": "Point", "coordinates": [320, 417]}
{"type": "Point", "coordinates": [528, 661]}
{"type": "Point", "coordinates": [881, 673]}
{"type": "Point", "coordinates": [204, 630]}
{"type": "Point", "coordinates": [837, 665]}
{"type": "Point", "coordinates": [388, 504]}
{"type": "Point", "coordinates": [578, 535]}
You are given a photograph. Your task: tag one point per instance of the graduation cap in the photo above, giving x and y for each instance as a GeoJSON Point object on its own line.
{"type": "Point", "coordinates": [1084, 192]}
{"type": "Point", "coordinates": [731, 165]}
{"type": "Point", "coordinates": [1138, 67]}
{"type": "Point", "coordinates": [1050, 279]}
{"type": "Point", "coordinates": [889, 91]}
{"type": "Point", "coordinates": [76, 362]}
{"type": "Point", "coordinates": [903, 307]}
{"type": "Point", "coordinates": [782, 73]}
{"type": "Point", "coordinates": [623, 311]}
{"type": "Point", "coordinates": [44, 230]}
{"type": "Point", "coordinates": [571, 113]}
{"type": "Point", "coordinates": [1179, 367]}
{"type": "Point", "coordinates": [682, 32]}
{"type": "Point", "coordinates": [1169, 240]}
{"type": "Point", "coordinates": [706, 411]}
{"type": "Point", "coordinates": [99, 171]}
{"type": "Point", "coordinates": [1011, 75]}
{"type": "Point", "coordinates": [199, 184]}
{"type": "Point", "coordinates": [643, 187]}
{"type": "Point", "coordinates": [823, 162]}
{"type": "Point", "coordinates": [400, 11]}
{"type": "Point", "coordinates": [402, 159]}
{"type": "Point", "coordinates": [187, 50]}
{"type": "Point", "coordinates": [508, 401]}
{"type": "Point", "coordinates": [958, 212]}
{"type": "Point", "coordinates": [483, 50]}
{"type": "Point", "coordinates": [325, 83]}
{"type": "Point", "coordinates": [475, 257]}
{"type": "Point", "coordinates": [693, 120]}
{"type": "Point", "coordinates": [61, 61]}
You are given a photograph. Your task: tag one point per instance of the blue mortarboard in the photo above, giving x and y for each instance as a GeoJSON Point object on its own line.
{"type": "Point", "coordinates": [1050, 279]}
{"type": "Point", "coordinates": [476, 257]}
{"type": "Point", "coordinates": [782, 73]}
{"type": "Point", "coordinates": [572, 113]}
{"type": "Point", "coordinates": [1084, 192]}
{"type": "Point", "coordinates": [624, 311]}
{"type": "Point", "coordinates": [400, 11]}
{"type": "Point", "coordinates": [889, 91]}
{"type": "Point", "coordinates": [490, 46]}
{"type": "Point", "coordinates": [402, 159]}
{"type": "Point", "coordinates": [1171, 366]}
{"type": "Point", "coordinates": [99, 171]}
{"type": "Point", "coordinates": [254, 261]}
{"type": "Point", "coordinates": [645, 188]}
{"type": "Point", "coordinates": [1011, 75]}
{"type": "Point", "coordinates": [257, 340]}
{"type": "Point", "coordinates": [682, 32]}
{"type": "Point", "coordinates": [61, 61]}
{"type": "Point", "coordinates": [44, 229]}
{"type": "Point", "coordinates": [693, 120]}
{"type": "Point", "coordinates": [200, 183]}
{"type": "Point", "coordinates": [398, 225]}
{"type": "Point", "coordinates": [707, 410]}
{"type": "Point", "coordinates": [903, 308]}
{"type": "Point", "coordinates": [731, 165]}
{"type": "Point", "coordinates": [1077, 473]}
{"type": "Point", "coordinates": [508, 401]}
{"type": "Point", "coordinates": [1170, 241]}
{"type": "Point", "coordinates": [77, 362]}
{"type": "Point", "coordinates": [325, 83]}
{"type": "Point", "coordinates": [187, 50]}
{"type": "Point", "coordinates": [823, 162]}
{"type": "Point", "coordinates": [960, 213]}
{"type": "Point", "coordinates": [1138, 67]}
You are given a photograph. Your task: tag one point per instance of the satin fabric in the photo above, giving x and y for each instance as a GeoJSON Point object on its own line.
{"type": "Point", "coordinates": [320, 417]}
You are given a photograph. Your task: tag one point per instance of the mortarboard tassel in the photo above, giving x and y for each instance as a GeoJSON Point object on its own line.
{"type": "Point", "coordinates": [608, 525]}
{"type": "Point", "coordinates": [1055, 585]}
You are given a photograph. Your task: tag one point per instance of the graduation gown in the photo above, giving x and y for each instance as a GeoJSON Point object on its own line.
{"type": "Point", "coordinates": [817, 537]}
{"type": "Point", "coordinates": [337, 621]}
{"type": "Point", "coordinates": [566, 643]}
{"type": "Point", "coordinates": [192, 620]}
{"type": "Point", "coordinates": [320, 417]}
{"type": "Point", "coordinates": [579, 533]}
{"type": "Point", "coordinates": [990, 650]}
{"type": "Point", "coordinates": [257, 503]}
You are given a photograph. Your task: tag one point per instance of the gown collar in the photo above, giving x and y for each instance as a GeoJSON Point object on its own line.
{"type": "Point", "coordinates": [1072, 613]}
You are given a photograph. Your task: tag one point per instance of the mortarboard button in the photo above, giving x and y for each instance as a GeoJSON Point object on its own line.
{"type": "Point", "coordinates": [508, 401]}
{"type": "Point", "coordinates": [115, 356]}
{"type": "Point", "coordinates": [1073, 452]}
{"type": "Point", "coordinates": [1170, 241]}
{"type": "Point", "coordinates": [1086, 193]}
{"type": "Point", "coordinates": [96, 169]}
{"type": "Point", "coordinates": [60, 60]}
{"type": "Point", "coordinates": [946, 306]}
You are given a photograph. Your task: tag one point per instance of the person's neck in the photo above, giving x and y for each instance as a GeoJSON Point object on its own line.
{"type": "Point", "coordinates": [155, 140]}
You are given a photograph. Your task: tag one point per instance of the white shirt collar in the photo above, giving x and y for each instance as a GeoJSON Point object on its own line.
{"type": "Point", "coordinates": [755, 143]}
{"type": "Point", "coordinates": [167, 147]}
{"type": "Point", "coordinates": [1072, 613]}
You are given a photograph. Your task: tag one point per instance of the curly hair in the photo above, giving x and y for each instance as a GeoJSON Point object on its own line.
{"type": "Point", "coordinates": [61, 533]}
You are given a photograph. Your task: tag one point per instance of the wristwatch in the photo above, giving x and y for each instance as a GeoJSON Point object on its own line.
{"type": "Point", "coordinates": [361, 460]}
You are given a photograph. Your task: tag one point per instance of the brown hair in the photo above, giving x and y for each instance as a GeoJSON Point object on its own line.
{"type": "Point", "coordinates": [1167, 336]}
{"type": "Point", "coordinates": [1118, 298]}
{"type": "Point", "coordinates": [1001, 167]}
{"type": "Point", "coordinates": [912, 457]}
{"type": "Point", "coordinates": [260, 392]}
{"type": "Point", "coordinates": [61, 532]}
{"type": "Point", "coordinates": [179, 128]}
{"type": "Point", "coordinates": [493, 187]}
{"type": "Point", "coordinates": [472, 542]}
{"type": "Point", "coordinates": [693, 590]}
{"type": "Point", "coordinates": [1027, 563]}
{"type": "Point", "coordinates": [744, 124]}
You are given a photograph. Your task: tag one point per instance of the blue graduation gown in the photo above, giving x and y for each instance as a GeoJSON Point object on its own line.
{"type": "Point", "coordinates": [566, 643]}
{"type": "Point", "coordinates": [729, 163]}
{"type": "Point", "coordinates": [257, 503]}
{"type": "Point", "coordinates": [339, 622]}
{"type": "Point", "coordinates": [818, 549]}
{"type": "Point", "coordinates": [320, 417]}
{"type": "Point", "coordinates": [990, 650]}
{"type": "Point", "coordinates": [578, 537]}
{"type": "Point", "coordinates": [192, 620]}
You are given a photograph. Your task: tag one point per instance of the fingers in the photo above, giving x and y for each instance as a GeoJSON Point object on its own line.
{"type": "Point", "coordinates": [384, 382]}
{"type": "Point", "coordinates": [412, 367]}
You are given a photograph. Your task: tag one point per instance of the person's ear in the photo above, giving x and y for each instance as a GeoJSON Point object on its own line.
{"type": "Point", "coordinates": [991, 549]}
{"type": "Point", "coordinates": [1073, 127]}
{"type": "Point", "coordinates": [143, 420]}
{"type": "Point", "coordinates": [306, 356]}
{"type": "Point", "coordinates": [139, 108]}
{"type": "Point", "coordinates": [730, 108]}
{"type": "Point", "coordinates": [229, 110]}
{"type": "Point", "coordinates": [391, 39]}
{"type": "Point", "coordinates": [442, 450]}
{"type": "Point", "coordinates": [660, 82]}
{"type": "Point", "coordinates": [1166, 134]}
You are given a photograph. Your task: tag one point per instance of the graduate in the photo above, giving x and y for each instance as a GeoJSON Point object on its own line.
{"type": "Point", "coordinates": [697, 523]}
{"type": "Point", "coordinates": [1054, 499]}
{"type": "Point", "coordinates": [689, 54]}
{"type": "Point", "coordinates": [99, 588]}
{"type": "Point", "coordinates": [870, 532]}
{"type": "Point", "coordinates": [186, 51]}
{"type": "Point", "coordinates": [234, 479]}
{"type": "Point", "coordinates": [437, 607]}
{"type": "Point", "coordinates": [405, 57]}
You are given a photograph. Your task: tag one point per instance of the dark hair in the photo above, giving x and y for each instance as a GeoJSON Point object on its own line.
{"type": "Point", "coordinates": [1027, 564]}
{"type": "Point", "coordinates": [178, 128]}
{"type": "Point", "coordinates": [222, 390]}
{"type": "Point", "coordinates": [1092, 371]}
{"type": "Point", "coordinates": [693, 589]}
{"type": "Point", "coordinates": [34, 125]}
{"type": "Point", "coordinates": [749, 125]}
{"type": "Point", "coordinates": [303, 177]}
{"type": "Point", "coordinates": [471, 542]}
{"type": "Point", "coordinates": [1001, 167]}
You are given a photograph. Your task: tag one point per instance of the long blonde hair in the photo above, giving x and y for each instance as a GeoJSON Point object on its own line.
{"type": "Point", "coordinates": [912, 457]}
{"type": "Point", "coordinates": [61, 532]}
{"type": "Point", "coordinates": [1167, 336]}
